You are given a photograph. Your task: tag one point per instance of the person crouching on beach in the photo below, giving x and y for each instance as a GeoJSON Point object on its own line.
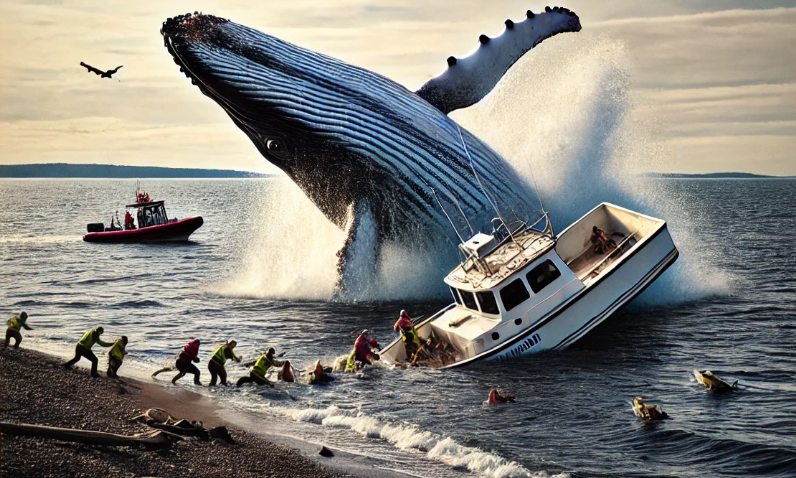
{"type": "Point", "coordinates": [217, 361]}
{"type": "Point", "coordinates": [14, 324]}
{"type": "Point", "coordinates": [83, 349]}
{"type": "Point", "coordinates": [261, 366]}
{"type": "Point", "coordinates": [189, 353]}
{"type": "Point", "coordinates": [116, 356]}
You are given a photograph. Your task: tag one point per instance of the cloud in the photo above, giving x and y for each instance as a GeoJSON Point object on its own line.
{"type": "Point", "coordinates": [710, 49]}
{"type": "Point", "coordinates": [676, 45]}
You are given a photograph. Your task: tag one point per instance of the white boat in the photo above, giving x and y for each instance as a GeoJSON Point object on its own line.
{"type": "Point", "coordinates": [534, 291]}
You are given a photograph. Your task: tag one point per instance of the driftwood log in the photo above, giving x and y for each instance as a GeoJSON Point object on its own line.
{"type": "Point", "coordinates": [154, 440]}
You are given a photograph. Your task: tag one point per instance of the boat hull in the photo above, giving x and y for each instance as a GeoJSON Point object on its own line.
{"type": "Point", "coordinates": [575, 318]}
{"type": "Point", "coordinates": [604, 287]}
{"type": "Point", "coordinates": [178, 231]}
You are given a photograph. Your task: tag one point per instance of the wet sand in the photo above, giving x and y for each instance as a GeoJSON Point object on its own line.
{"type": "Point", "coordinates": [35, 389]}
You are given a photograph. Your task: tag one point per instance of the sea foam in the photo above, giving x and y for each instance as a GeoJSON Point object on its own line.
{"type": "Point", "coordinates": [407, 436]}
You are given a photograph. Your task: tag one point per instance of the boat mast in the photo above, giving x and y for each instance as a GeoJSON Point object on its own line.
{"type": "Point", "coordinates": [483, 190]}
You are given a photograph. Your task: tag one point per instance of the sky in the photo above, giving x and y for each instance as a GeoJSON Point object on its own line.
{"type": "Point", "coordinates": [717, 79]}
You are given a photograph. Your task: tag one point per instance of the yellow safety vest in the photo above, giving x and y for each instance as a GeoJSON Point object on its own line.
{"type": "Point", "coordinates": [15, 323]}
{"type": "Point", "coordinates": [90, 338]}
{"type": "Point", "coordinates": [262, 365]}
{"type": "Point", "coordinates": [351, 363]}
{"type": "Point", "coordinates": [117, 351]}
{"type": "Point", "coordinates": [221, 357]}
{"type": "Point", "coordinates": [410, 336]}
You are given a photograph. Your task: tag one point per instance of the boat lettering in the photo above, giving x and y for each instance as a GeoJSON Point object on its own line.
{"type": "Point", "coordinates": [520, 349]}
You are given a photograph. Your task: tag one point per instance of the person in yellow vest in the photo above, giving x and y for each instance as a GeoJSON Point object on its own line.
{"type": "Point", "coordinates": [216, 364]}
{"type": "Point", "coordinates": [116, 356]}
{"type": "Point", "coordinates": [261, 366]}
{"type": "Point", "coordinates": [14, 324]}
{"type": "Point", "coordinates": [83, 349]}
{"type": "Point", "coordinates": [409, 335]}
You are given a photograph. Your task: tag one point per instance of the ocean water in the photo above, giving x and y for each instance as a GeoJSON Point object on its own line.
{"type": "Point", "coordinates": [262, 275]}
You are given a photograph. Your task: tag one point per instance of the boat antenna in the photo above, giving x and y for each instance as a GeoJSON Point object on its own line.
{"type": "Point", "coordinates": [478, 179]}
{"type": "Point", "coordinates": [446, 214]}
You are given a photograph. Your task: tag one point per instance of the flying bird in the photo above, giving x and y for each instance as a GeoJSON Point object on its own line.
{"type": "Point", "coordinates": [102, 74]}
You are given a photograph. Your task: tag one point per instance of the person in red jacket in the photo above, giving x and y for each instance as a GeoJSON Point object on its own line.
{"type": "Point", "coordinates": [497, 397]}
{"type": "Point", "coordinates": [190, 353]}
{"type": "Point", "coordinates": [409, 335]}
{"type": "Point", "coordinates": [363, 348]}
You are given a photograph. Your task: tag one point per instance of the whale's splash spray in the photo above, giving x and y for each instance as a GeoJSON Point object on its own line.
{"type": "Point", "coordinates": [564, 118]}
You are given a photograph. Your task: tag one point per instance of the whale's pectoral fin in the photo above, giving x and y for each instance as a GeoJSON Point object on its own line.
{"type": "Point", "coordinates": [356, 260]}
{"type": "Point", "coordinates": [467, 80]}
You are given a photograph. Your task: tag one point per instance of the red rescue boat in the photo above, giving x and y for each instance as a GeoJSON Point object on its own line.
{"type": "Point", "coordinates": [145, 221]}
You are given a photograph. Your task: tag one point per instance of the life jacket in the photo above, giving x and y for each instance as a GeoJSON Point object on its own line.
{"type": "Point", "coordinates": [89, 339]}
{"type": "Point", "coordinates": [262, 365]}
{"type": "Point", "coordinates": [351, 363]}
{"type": "Point", "coordinates": [117, 351]}
{"type": "Point", "coordinates": [402, 323]}
{"type": "Point", "coordinates": [410, 336]}
{"type": "Point", "coordinates": [190, 352]}
{"type": "Point", "coordinates": [220, 355]}
{"type": "Point", "coordinates": [363, 345]}
{"type": "Point", "coordinates": [15, 323]}
{"type": "Point", "coordinates": [287, 372]}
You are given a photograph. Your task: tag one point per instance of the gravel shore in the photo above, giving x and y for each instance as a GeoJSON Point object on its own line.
{"type": "Point", "coordinates": [35, 389]}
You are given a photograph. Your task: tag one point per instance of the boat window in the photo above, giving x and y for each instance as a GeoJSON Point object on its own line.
{"type": "Point", "coordinates": [469, 299]}
{"type": "Point", "coordinates": [514, 294]}
{"type": "Point", "coordinates": [541, 275]}
{"type": "Point", "coordinates": [456, 297]}
{"type": "Point", "coordinates": [486, 298]}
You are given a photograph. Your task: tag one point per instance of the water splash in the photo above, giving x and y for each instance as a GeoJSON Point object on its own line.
{"type": "Point", "coordinates": [566, 120]}
{"type": "Point", "coordinates": [293, 255]}
{"type": "Point", "coordinates": [564, 117]}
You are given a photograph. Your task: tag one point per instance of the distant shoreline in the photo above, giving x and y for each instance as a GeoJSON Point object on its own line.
{"type": "Point", "coordinates": [109, 171]}
{"type": "Point", "coordinates": [713, 176]}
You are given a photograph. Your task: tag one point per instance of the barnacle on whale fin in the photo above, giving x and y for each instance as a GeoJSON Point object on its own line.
{"type": "Point", "coordinates": [476, 75]}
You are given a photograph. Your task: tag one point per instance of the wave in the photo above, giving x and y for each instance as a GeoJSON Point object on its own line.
{"type": "Point", "coordinates": [136, 304]}
{"type": "Point", "coordinates": [437, 447]}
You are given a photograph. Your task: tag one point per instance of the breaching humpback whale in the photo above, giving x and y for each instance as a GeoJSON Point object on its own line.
{"type": "Point", "coordinates": [380, 161]}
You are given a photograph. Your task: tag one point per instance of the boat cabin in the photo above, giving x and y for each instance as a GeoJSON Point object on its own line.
{"type": "Point", "coordinates": [151, 213]}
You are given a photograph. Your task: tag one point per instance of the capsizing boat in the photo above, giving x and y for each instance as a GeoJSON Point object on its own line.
{"type": "Point", "coordinates": [145, 221]}
{"type": "Point", "coordinates": [524, 289]}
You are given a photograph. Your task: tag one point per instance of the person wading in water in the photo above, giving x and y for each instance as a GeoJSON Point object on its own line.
{"type": "Point", "coordinates": [190, 353]}
{"type": "Point", "coordinates": [216, 364]}
{"type": "Point", "coordinates": [408, 334]}
{"type": "Point", "coordinates": [261, 366]}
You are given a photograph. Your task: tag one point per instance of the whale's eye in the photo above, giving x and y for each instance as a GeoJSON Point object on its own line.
{"type": "Point", "coordinates": [275, 146]}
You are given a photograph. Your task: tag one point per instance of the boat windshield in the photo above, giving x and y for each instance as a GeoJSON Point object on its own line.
{"type": "Point", "coordinates": [150, 215]}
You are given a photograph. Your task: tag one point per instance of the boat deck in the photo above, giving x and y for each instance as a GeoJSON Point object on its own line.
{"type": "Point", "coordinates": [588, 265]}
